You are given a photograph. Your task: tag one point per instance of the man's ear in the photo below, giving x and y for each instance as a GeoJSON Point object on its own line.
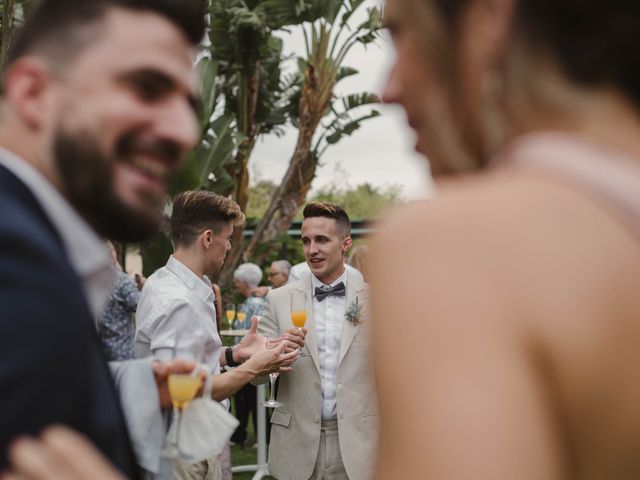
{"type": "Point", "coordinates": [346, 245]}
{"type": "Point", "coordinates": [207, 238]}
{"type": "Point", "coordinates": [27, 83]}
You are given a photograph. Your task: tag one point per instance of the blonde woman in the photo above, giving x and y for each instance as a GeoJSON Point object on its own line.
{"type": "Point", "coordinates": [519, 352]}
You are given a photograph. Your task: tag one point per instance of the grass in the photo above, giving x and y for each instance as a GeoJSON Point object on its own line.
{"type": "Point", "coordinates": [246, 455]}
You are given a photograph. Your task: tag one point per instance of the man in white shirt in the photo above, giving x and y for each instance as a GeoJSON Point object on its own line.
{"type": "Point", "coordinates": [176, 310]}
{"type": "Point", "coordinates": [327, 425]}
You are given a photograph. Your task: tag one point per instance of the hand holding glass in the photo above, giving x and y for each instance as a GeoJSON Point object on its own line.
{"type": "Point", "coordinates": [182, 389]}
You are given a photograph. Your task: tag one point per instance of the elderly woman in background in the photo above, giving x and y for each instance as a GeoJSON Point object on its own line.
{"type": "Point", "coordinates": [518, 286]}
{"type": "Point", "coordinates": [245, 279]}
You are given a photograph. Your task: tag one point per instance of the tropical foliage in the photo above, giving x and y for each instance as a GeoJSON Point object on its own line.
{"type": "Point", "coordinates": [328, 40]}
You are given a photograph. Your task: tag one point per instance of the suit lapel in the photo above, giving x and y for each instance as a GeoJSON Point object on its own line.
{"type": "Point", "coordinates": [355, 289]}
{"type": "Point", "coordinates": [302, 296]}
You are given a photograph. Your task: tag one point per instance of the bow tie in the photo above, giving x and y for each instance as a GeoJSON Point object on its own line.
{"type": "Point", "coordinates": [323, 292]}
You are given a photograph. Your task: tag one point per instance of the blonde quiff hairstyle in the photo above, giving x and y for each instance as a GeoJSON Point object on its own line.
{"type": "Point", "coordinates": [195, 211]}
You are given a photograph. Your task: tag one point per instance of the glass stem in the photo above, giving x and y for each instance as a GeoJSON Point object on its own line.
{"type": "Point", "coordinates": [272, 379]}
{"type": "Point", "coordinates": [176, 435]}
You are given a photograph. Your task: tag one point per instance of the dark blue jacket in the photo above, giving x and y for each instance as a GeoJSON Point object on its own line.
{"type": "Point", "coordinates": [52, 369]}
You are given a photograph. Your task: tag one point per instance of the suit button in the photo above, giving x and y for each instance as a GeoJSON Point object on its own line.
{"type": "Point", "coordinates": [316, 419]}
{"type": "Point", "coordinates": [341, 416]}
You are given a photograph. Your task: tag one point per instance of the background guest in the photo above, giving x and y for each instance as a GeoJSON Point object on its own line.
{"type": "Point", "coordinates": [116, 328]}
{"type": "Point", "coordinates": [246, 278]}
{"type": "Point", "coordinates": [279, 273]}
{"type": "Point", "coordinates": [358, 259]}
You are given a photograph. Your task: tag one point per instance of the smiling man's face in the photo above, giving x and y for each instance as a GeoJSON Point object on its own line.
{"type": "Point", "coordinates": [324, 245]}
{"type": "Point", "coordinates": [123, 122]}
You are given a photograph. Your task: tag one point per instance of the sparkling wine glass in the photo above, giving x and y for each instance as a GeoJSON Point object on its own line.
{"type": "Point", "coordinates": [241, 314]}
{"type": "Point", "coordinates": [272, 402]}
{"type": "Point", "coordinates": [299, 312]}
{"type": "Point", "coordinates": [183, 387]}
{"type": "Point", "coordinates": [230, 313]}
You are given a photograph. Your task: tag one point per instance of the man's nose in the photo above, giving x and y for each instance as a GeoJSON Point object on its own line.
{"type": "Point", "coordinates": [178, 123]}
{"type": "Point", "coordinates": [393, 87]}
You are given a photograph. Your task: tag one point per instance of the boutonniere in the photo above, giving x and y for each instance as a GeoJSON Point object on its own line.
{"type": "Point", "coordinates": [354, 312]}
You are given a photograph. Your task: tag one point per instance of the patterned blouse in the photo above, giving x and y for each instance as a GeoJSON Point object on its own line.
{"type": "Point", "coordinates": [116, 327]}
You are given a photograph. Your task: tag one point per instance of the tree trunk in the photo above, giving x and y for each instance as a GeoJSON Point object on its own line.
{"type": "Point", "coordinates": [7, 30]}
{"type": "Point", "coordinates": [241, 169]}
{"type": "Point", "coordinates": [291, 193]}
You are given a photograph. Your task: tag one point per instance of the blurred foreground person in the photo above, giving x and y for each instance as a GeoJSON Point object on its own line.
{"type": "Point", "coordinates": [97, 113]}
{"type": "Point", "coordinates": [58, 454]}
{"type": "Point", "coordinates": [517, 288]}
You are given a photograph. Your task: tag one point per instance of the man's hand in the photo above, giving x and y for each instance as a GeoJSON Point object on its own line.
{"type": "Point", "coordinates": [294, 339]}
{"type": "Point", "coordinates": [250, 343]}
{"type": "Point", "coordinates": [161, 372]}
{"type": "Point", "coordinates": [267, 360]}
{"type": "Point", "coordinates": [59, 454]}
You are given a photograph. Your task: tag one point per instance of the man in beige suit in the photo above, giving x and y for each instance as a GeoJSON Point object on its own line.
{"type": "Point", "coordinates": [327, 426]}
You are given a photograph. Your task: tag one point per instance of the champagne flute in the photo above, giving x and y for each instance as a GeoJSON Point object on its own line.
{"type": "Point", "coordinates": [272, 402]}
{"type": "Point", "coordinates": [183, 387]}
{"type": "Point", "coordinates": [299, 311]}
{"type": "Point", "coordinates": [230, 312]}
{"type": "Point", "coordinates": [241, 314]}
{"type": "Point", "coordinates": [299, 318]}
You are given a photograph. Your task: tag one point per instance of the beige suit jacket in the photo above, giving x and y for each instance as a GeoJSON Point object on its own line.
{"type": "Point", "coordinates": [295, 432]}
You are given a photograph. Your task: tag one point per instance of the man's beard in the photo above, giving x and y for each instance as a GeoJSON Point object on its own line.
{"type": "Point", "coordinates": [87, 176]}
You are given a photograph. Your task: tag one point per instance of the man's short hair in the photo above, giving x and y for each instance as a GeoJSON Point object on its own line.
{"type": "Point", "coordinates": [60, 29]}
{"type": "Point", "coordinates": [329, 210]}
{"type": "Point", "coordinates": [282, 266]}
{"type": "Point", "coordinates": [195, 211]}
{"type": "Point", "coordinates": [249, 273]}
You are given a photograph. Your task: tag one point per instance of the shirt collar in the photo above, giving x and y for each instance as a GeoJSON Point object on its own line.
{"type": "Point", "coordinates": [84, 249]}
{"type": "Point", "coordinates": [342, 278]}
{"type": "Point", "coordinates": [200, 285]}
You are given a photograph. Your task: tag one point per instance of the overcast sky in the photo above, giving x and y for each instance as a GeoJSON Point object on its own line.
{"type": "Point", "coordinates": [380, 152]}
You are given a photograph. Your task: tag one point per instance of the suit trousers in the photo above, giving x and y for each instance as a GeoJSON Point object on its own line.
{"type": "Point", "coordinates": [329, 464]}
{"type": "Point", "coordinates": [206, 470]}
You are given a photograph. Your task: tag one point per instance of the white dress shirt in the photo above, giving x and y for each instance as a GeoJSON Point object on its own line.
{"type": "Point", "coordinates": [329, 319]}
{"type": "Point", "coordinates": [86, 251]}
{"type": "Point", "coordinates": [176, 315]}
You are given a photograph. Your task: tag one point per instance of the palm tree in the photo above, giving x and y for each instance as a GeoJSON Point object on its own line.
{"type": "Point", "coordinates": [327, 40]}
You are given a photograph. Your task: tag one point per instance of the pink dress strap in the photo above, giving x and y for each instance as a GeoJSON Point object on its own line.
{"type": "Point", "coordinates": [609, 175]}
